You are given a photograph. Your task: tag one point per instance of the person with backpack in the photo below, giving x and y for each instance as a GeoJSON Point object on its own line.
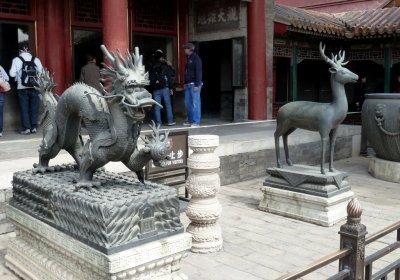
{"type": "Point", "coordinates": [24, 69]}
{"type": "Point", "coordinates": [161, 77]}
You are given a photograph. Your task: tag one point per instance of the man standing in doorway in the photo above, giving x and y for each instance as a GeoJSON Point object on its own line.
{"type": "Point", "coordinates": [24, 69]}
{"type": "Point", "coordinates": [193, 85]}
{"type": "Point", "coordinates": [90, 73]}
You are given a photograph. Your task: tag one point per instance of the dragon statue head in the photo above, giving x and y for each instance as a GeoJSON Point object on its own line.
{"type": "Point", "coordinates": [125, 81]}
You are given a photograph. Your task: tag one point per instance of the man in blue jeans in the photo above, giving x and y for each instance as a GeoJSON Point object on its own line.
{"type": "Point", "coordinates": [193, 85]}
{"type": "Point", "coordinates": [28, 97]}
{"type": "Point", "coordinates": [161, 77]}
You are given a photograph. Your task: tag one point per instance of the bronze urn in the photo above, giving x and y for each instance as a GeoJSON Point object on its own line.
{"type": "Point", "coordinates": [381, 124]}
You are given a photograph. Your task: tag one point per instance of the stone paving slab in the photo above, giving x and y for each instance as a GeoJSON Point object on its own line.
{"type": "Point", "coordinates": [259, 245]}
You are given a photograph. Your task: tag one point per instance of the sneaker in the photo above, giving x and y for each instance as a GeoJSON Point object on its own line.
{"type": "Point", "coordinates": [25, 132]}
{"type": "Point", "coordinates": [187, 124]}
{"type": "Point", "coordinates": [33, 130]}
{"type": "Point", "coordinates": [194, 125]}
{"type": "Point", "coordinates": [171, 124]}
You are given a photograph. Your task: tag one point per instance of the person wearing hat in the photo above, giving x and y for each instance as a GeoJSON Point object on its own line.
{"type": "Point", "coordinates": [161, 77]}
{"type": "Point", "coordinates": [28, 96]}
{"type": "Point", "coordinates": [193, 85]}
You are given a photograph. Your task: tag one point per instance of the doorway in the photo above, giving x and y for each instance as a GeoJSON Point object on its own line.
{"type": "Point", "coordinates": [217, 94]}
{"type": "Point", "coordinates": [86, 42]}
{"type": "Point", "coordinates": [11, 34]}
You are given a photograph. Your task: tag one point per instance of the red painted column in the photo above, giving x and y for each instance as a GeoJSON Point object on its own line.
{"type": "Point", "coordinates": [40, 31]}
{"type": "Point", "coordinates": [55, 42]}
{"type": "Point", "coordinates": [256, 53]}
{"type": "Point", "coordinates": [115, 25]}
{"type": "Point", "coordinates": [183, 36]}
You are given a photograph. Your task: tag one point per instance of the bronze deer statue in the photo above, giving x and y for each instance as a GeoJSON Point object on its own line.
{"type": "Point", "coordinates": [322, 117]}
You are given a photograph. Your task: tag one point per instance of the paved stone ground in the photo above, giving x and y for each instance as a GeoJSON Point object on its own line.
{"type": "Point", "coordinates": [259, 245]}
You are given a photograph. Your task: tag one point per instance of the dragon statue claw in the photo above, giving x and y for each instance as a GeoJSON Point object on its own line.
{"type": "Point", "coordinates": [112, 118]}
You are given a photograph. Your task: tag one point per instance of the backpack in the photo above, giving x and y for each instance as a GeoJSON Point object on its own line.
{"type": "Point", "coordinates": [29, 72]}
{"type": "Point", "coordinates": [158, 78]}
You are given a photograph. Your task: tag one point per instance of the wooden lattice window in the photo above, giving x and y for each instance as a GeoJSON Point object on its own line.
{"type": "Point", "coordinates": [87, 11]}
{"type": "Point", "coordinates": [16, 7]}
{"type": "Point", "coordinates": [155, 15]}
{"type": "Point", "coordinates": [396, 54]}
{"type": "Point", "coordinates": [304, 53]}
{"type": "Point", "coordinates": [280, 51]}
{"type": "Point", "coordinates": [371, 54]}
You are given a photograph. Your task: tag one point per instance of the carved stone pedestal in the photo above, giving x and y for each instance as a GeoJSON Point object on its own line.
{"type": "Point", "coordinates": [120, 230]}
{"type": "Point", "coordinates": [42, 252]}
{"type": "Point", "coordinates": [203, 185]}
{"type": "Point", "coordinates": [384, 169]}
{"type": "Point", "coordinates": [303, 193]}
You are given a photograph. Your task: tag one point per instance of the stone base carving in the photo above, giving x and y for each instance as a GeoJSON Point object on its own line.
{"type": "Point", "coordinates": [43, 252]}
{"type": "Point", "coordinates": [303, 193]}
{"type": "Point", "coordinates": [384, 169]}
{"type": "Point", "coordinates": [120, 214]}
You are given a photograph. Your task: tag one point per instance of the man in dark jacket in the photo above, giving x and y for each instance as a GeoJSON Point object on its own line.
{"type": "Point", "coordinates": [193, 85]}
{"type": "Point", "coordinates": [161, 76]}
{"type": "Point", "coordinates": [90, 73]}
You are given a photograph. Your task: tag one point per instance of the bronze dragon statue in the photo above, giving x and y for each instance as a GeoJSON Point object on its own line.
{"type": "Point", "coordinates": [113, 120]}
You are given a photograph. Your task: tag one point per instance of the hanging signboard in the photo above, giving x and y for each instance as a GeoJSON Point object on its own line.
{"type": "Point", "coordinates": [216, 15]}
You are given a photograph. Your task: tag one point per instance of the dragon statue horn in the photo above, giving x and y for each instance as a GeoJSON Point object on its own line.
{"type": "Point", "coordinates": [110, 57]}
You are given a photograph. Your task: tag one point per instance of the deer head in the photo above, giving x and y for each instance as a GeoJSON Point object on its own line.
{"type": "Point", "coordinates": [340, 74]}
{"type": "Point", "coordinates": [125, 80]}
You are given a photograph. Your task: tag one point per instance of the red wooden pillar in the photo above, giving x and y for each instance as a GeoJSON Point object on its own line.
{"type": "Point", "coordinates": [41, 31]}
{"type": "Point", "coordinates": [55, 42]}
{"type": "Point", "coordinates": [115, 25]}
{"type": "Point", "coordinates": [183, 36]}
{"type": "Point", "coordinates": [256, 53]}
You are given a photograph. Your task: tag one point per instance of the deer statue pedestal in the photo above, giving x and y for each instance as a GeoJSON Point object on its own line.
{"type": "Point", "coordinates": [120, 230]}
{"type": "Point", "coordinates": [302, 192]}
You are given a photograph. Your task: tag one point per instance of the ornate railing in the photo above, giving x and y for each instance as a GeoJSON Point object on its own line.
{"type": "Point", "coordinates": [352, 263]}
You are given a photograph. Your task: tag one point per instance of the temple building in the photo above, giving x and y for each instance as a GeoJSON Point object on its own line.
{"type": "Point", "coordinates": [369, 37]}
{"type": "Point", "coordinates": [229, 36]}
{"type": "Point", "coordinates": [257, 54]}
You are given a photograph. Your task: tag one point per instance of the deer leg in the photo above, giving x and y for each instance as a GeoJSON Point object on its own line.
{"type": "Point", "coordinates": [285, 145]}
{"type": "Point", "coordinates": [324, 143]}
{"type": "Point", "coordinates": [277, 154]}
{"type": "Point", "coordinates": [332, 140]}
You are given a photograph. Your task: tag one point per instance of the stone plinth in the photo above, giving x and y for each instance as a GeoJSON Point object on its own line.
{"type": "Point", "coordinates": [384, 169]}
{"type": "Point", "coordinates": [41, 251]}
{"type": "Point", "coordinates": [303, 193]}
{"type": "Point", "coordinates": [203, 185]}
{"type": "Point", "coordinates": [118, 215]}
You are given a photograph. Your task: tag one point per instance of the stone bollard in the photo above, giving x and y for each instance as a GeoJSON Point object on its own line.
{"type": "Point", "coordinates": [352, 235]}
{"type": "Point", "coordinates": [203, 185]}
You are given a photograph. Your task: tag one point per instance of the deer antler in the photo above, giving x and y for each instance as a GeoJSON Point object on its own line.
{"type": "Point", "coordinates": [336, 61]}
{"type": "Point", "coordinates": [341, 58]}
{"type": "Point", "coordinates": [324, 57]}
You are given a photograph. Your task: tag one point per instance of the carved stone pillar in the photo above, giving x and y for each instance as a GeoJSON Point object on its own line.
{"type": "Point", "coordinates": [203, 184]}
{"type": "Point", "coordinates": [352, 235]}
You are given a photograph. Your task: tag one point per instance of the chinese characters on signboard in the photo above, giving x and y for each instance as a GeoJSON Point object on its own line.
{"type": "Point", "coordinates": [214, 15]}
